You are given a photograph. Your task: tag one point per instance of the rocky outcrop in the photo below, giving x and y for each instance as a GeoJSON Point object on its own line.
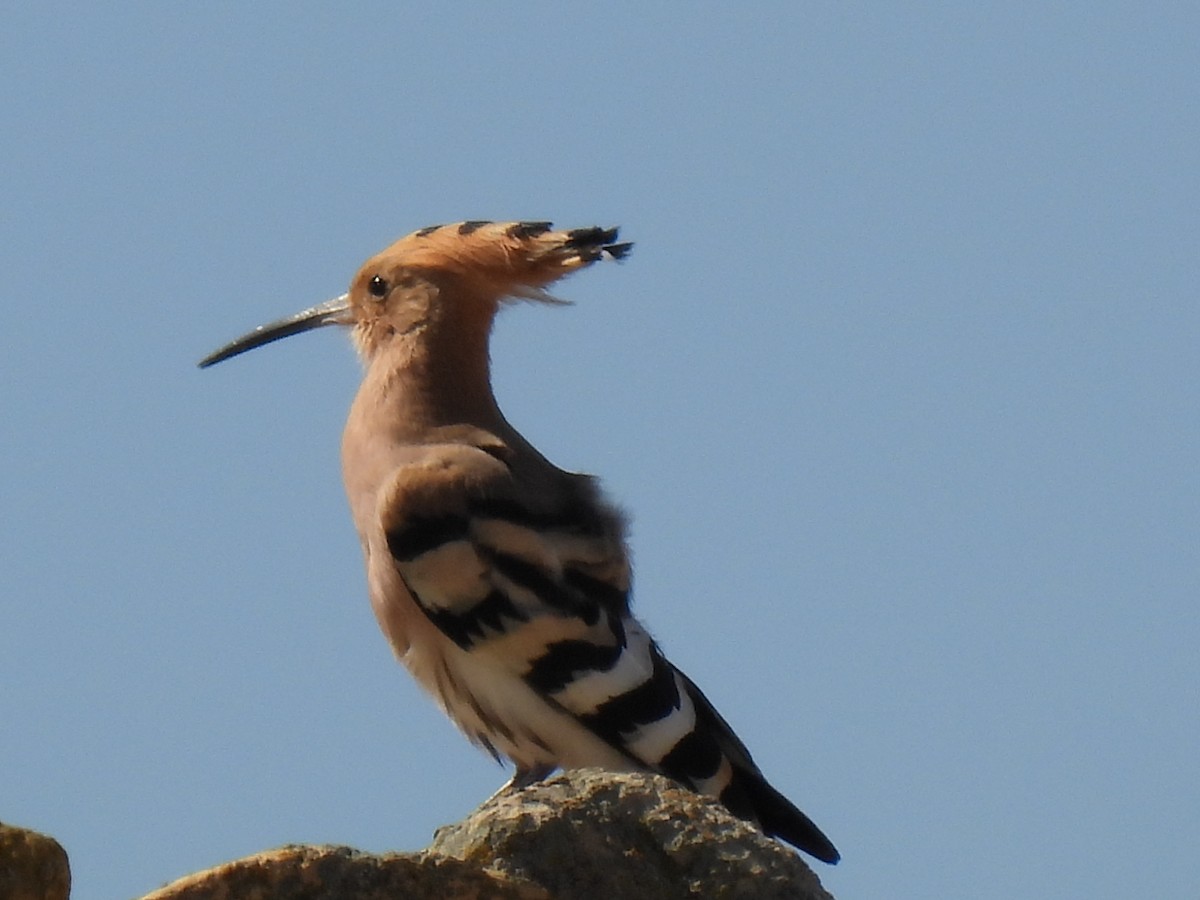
{"type": "Point", "coordinates": [32, 866]}
{"type": "Point", "coordinates": [586, 834]}
{"type": "Point", "coordinates": [339, 873]}
{"type": "Point", "coordinates": [591, 834]}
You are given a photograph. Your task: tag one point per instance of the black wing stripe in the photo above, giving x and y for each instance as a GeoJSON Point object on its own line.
{"type": "Point", "coordinates": [577, 516]}
{"type": "Point", "coordinates": [495, 614]}
{"type": "Point", "coordinates": [695, 758]}
{"type": "Point", "coordinates": [563, 661]}
{"type": "Point", "coordinates": [533, 578]}
{"type": "Point", "coordinates": [713, 723]}
{"type": "Point", "coordinates": [613, 600]}
{"type": "Point", "coordinates": [654, 699]}
{"type": "Point", "coordinates": [420, 534]}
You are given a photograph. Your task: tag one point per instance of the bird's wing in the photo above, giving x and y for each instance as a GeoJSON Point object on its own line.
{"type": "Point", "coordinates": [499, 574]}
{"type": "Point", "coordinates": [541, 592]}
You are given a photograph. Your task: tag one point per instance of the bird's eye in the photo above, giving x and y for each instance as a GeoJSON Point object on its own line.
{"type": "Point", "coordinates": [377, 287]}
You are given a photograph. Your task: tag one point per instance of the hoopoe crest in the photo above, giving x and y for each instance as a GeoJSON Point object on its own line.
{"type": "Point", "coordinates": [501, 581]}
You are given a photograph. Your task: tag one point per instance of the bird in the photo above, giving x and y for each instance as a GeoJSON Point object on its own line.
{"type": "Point", "coordinates": [501, 581]}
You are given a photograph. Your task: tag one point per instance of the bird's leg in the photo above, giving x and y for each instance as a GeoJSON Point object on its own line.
{"type": "Point", "coordinates": [523, 777]}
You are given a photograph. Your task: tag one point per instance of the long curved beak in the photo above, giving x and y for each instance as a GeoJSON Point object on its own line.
{"type": "Point", "coordinates": [331, 312]}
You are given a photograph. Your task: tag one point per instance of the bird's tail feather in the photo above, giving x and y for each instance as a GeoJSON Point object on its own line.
{"type": "Point", "coordinates": [776, 814]}
{"type": "Point", "coordinates": [748, 794]}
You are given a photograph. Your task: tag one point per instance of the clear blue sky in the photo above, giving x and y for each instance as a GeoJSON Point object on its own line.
{"type": "Point", "coordinates": [899, 387]}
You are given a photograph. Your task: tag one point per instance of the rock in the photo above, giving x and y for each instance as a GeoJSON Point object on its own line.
{"type": "Point", "coordinates": [32, 866]}
{"type": "Point", "coordinates": [339, 873]}
{"type": "Point", "coordinates": [590, 833]}
{"type": "Point", "coordinates": [585, 834]}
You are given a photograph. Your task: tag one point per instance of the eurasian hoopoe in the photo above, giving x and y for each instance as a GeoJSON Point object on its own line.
{"type": "Point", "coordinates": [501, 581]}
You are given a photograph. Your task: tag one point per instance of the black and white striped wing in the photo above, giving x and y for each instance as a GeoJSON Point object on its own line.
{"type": "Point", "coordinates": [545, 598]}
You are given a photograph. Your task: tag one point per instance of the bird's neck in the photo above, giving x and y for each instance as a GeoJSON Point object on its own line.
{"type": "Point", "coordinates": [413, 391]}
{"type": "Point", "coordinates": [434, 377]}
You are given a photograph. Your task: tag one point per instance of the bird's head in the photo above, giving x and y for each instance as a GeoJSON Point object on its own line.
{"type": "Point", "coordinates": [445, 278]}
